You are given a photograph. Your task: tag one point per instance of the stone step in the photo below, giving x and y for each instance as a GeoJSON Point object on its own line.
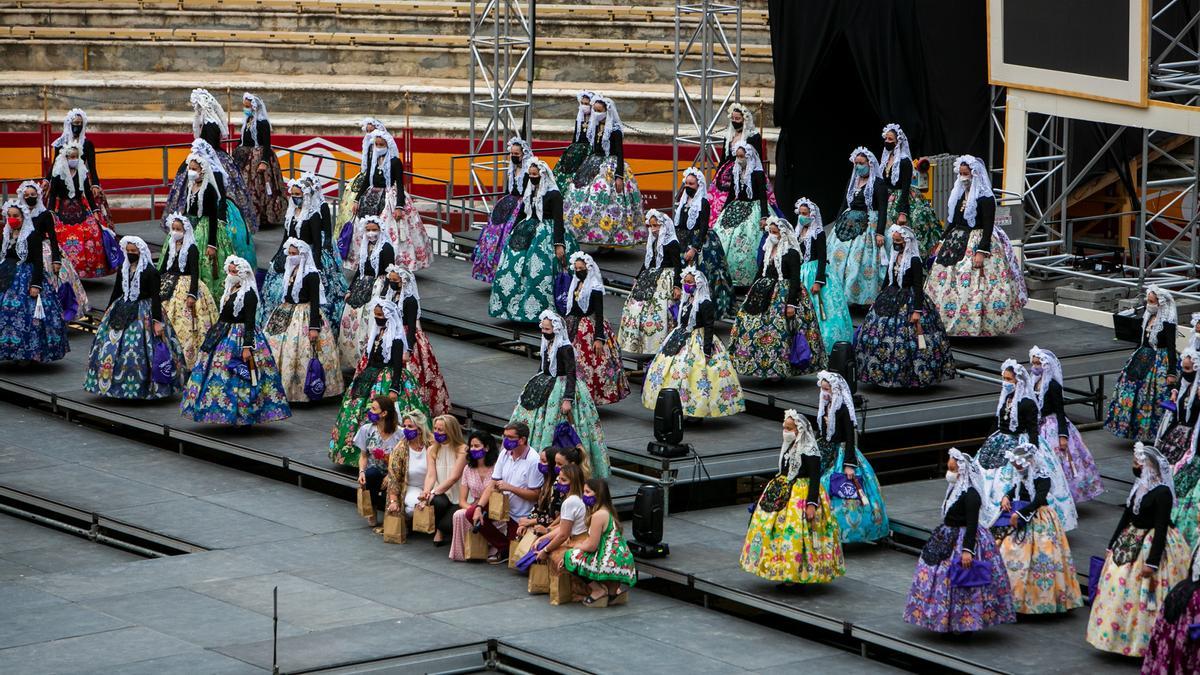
{"type": "Point", "coordinates": [439, 18]}
{"type": "Point", "coordinates": [436, 56]}
{"type": "Point", "coordinates": [306, 94]}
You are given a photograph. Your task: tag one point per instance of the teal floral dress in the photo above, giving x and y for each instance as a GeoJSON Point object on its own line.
{"type": "Point", "coordinates": [611, 561]}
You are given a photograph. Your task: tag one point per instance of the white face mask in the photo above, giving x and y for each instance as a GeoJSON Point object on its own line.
{"type": "Point", "coordinates": [600, 116]}
{"type": "Point", "coordinates": [193, 175]}
{"type": "Point", "coordinates": [742, 161]}
{"type": "Point", "coordinates": [964, 179]}
{"type": "Point", "coordinates": [372, 236]}
{"type": "Point", "coordinates": [72, 163]}
{"type": "Point", "coordinates": [951, 476]}
{"type": "Point", "coordinates": [380, 151]}
{"type": "Point", "coordinates": [1152, 309]}
{"type": "Point", "coordinates": [773, 239]}
{"type": "Point", "coordinates": [788, 436]}
{"type": "Point", "coordinates": [176, 235]}
{"type": "Point", "coordinates": [585, 108]}
{"type": "Point", "coordinates": [295, 259]}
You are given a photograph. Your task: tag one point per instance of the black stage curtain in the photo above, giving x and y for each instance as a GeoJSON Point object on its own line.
{"type": "Point", "coordinates": [844, 68]}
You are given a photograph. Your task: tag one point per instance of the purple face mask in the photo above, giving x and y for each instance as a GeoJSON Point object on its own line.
{"type": "Point", "coordinates": [439, 437]}
{"type": "Point", "coordinates": [511, 443]}
{"type": "Point", "coordinates": [689, 288]}
{"type": "Point", "coordinates": [562, 487]}
{"type": "Point", "coordinates": [544, 469]}
{"type": "Point", "coordinates": [410, 434]}
{"type": "Point", "coordinates": [372, 417]}
{"type": "Point", "coordinates": [589, 500]}
{"type": "Point", "coordinates": [477, 454]}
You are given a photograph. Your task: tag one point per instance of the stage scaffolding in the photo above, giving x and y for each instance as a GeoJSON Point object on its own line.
{"type": "Point", "coordinates": [1160, 185]}
{"type": "Point", "coordinates": [707, 79]}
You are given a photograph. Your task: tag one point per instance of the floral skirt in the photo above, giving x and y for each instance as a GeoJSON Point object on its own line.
{"type": "Point", "coordinates": [355, 325]}
{"type": "Point", "coordinates": [1176, 442]}
{"type": "Point", "coordinates": [740, 233]}
{"type": "Point", "coordinates": [712, 265]}
{"type": "Point", "coordinates": [524, 282]}
{"type": "Point", "coordinates": [492, 238]}
{"type": "Point", "coordinates": [268, 192]}
{"type": "Point", "coordinates": [233, 238]}
{"type": "Point", "coordinates": [123, 353]}
{"type": "Point", "coordinates": [569, 161]}
{"type": "Point", "coordinates": [782, 545]}
{"type": "Point", "coordinates": [369, 382]}
{"type": "Point", "coordinates": [414, 250]}
{"type": "Point", "coordinates": [935, 604]}
{"type": "Point", "coordinates": [1171, 648]}
{"type": "Point", "coordinates": [708, 385]}
{"type": "Point", "coordinates": [596, 212]}
{"type": "Point", "coordinates": [921, 217]}
{"type": "Point", "coordinates": [66, 275]}
{"type": "Point", "coordinates": [334, 282]}
{"type": "Point", "coordinates": [1126, 604]}
{"type": "Point", "coordinates": [858, 521]}
{"type": "Point", "coordinates": [1187, 473]}
{"type": "Point", "coordinates": [991, 453]}
{"type": "Point", "coordinates": [287, 334]}
{"type": "Point", "coordinates": [431, 386]}
{"type": "Point", "coordinates": [976, 302]}
{"type": "Point", "coordinates": [543, 418]}
{"type": "Point", "coordinates": [1135, 409]}
{"type": "Point", "coordinates": [854, 257]}
{"type": "Point", "coordinates": [191, 326]}
{"type": "Point", "coordinates": [79, 238]}
{"type": "Point", "coordinates": [600, 369]}
{"type": "Point", "coordinates": [887, 351]}
{"type": "Point", "coordinates": [1079, 468]}
{"type": "Point", "coordinates": [833, 315]}
{"type": "Point", "coordinates": [24, 336]}
{"type": "Point", "coordinates": [217, 395]}
{"type": "Point", "coordinates": [998, 477]}
{"type": "Point", "coordinates": [345, 202]}
{"type": "Point", "coordinates": [611, 561]}
{"type": "Point", "coordinates": [1040, 568]}
{"type": "Point", "coordinates": [718, 190]}
{"type": "Point", "coordinates": [647, 320]}
{"type": "Point", "coordinates": [1185, 514]}
{"type": "Point", "coordinates": [761, 343]}
{"type": "Point", "coordinates": [235, 189]}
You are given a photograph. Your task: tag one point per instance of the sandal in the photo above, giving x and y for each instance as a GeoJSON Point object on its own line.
{"type": "Point", "coordinates": [377, 530]}
{"type": "Point", "coordinates": [618, 598]}
{"type": "Point", "coordinates": [593, 601]}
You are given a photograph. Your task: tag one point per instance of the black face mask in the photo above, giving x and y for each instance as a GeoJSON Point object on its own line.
{"type": "Point", "coordinates": [381, 322]}
{"type": "Point", "coordinates": [581, 274]}
{"type": "Point", "coordinates": [737, 126]}
{"type": "Point", "coordinates": [1137, 472]}
{"type": "Point", "coordinates": [133, 257]}
{"type": "Point", "coordinates": [534, 180]}
{"type": "Point", "coordinates": [516, 159]}
{"type": "Point", "coordinates": [31, 201]}
{"type": "Point", "coordinates": [889, 145]}
{"type": "Point", "coordinates": [691, 191]}
{"type": "Point", "coordinates": [897, 247]}
{"type": "Point", "coordinates": [76, 129]}
{"type": "Point", "coordinates": [394, 285]}
{"type": "Point", "coordinates": [1189, 376]}
{"type": "Point", "coordinates": [548, 336]}
{"type": "Point", "coordinates": [297, 200]}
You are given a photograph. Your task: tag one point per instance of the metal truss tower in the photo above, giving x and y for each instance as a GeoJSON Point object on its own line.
{"type": "Point", "coordinates": [708, 67]}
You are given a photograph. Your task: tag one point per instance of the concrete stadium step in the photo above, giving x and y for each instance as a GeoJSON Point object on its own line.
{"type": "Point", "coordinates": [443, 18]}
{"type": "Point", "coordinates": [156, 92]}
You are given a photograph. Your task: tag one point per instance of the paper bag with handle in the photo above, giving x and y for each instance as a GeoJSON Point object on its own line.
{"type": "Point", "coordinates": [394, 531]}
{"type": "Point", "coordinates": [424, 519]}
{"type": "Point", "coordinates": [365, 508]}
{"type": "Point", "coordinates": [498, 506]}
{"type": "Point", "coordinates": [539, 579]}
{"type": "Point", "coordinates": [560, 587]}
{"type": "Point", "coordinates": [475, 547]}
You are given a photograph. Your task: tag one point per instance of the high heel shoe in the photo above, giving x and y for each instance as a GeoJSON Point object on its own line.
{"type": "Point", "coordinates": [593, 601]}
{"type": "Point", "coordinates": [618, 598]}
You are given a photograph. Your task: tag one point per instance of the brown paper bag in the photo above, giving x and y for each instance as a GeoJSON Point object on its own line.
{"type": "Point", "coordinates": [394, 529]}
{"type": "Point", "coordinates": [560, 588]}
{"type": "Point", "coordinates": [498, 506]}
{"type": "Point", "coordinates": [520, 547]}
{"type": "Point", "coordinates": [539, 579]}
{"type": "Point", "coordinates": [365, 508]}
{"type": "Point", "coordinates": [475, 546]}
{"type": "Point", "coordinates": [424, 519]}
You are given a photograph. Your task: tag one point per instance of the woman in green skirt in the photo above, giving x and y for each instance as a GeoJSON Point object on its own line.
{"type": "Point", "coordinates": [740, 225]}
{"type": "Point", "coordinates": [216, 221]}
{"type": "Point", "coordinates": [536, 251]}
{"type": "Point", "coordinates": [579, 149]}
{"type": "Point", "coordinates": [604, 561]}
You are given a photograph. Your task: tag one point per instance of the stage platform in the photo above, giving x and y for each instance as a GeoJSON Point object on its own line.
{"type": "Point", "coordinates": [344, 597]}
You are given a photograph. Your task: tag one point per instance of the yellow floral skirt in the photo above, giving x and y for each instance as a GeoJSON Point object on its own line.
{"type": "Point", "coordinates": [782, 545]}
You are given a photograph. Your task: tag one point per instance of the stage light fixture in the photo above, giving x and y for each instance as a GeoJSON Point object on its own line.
{"type": "Point", "coordinates": [668, 426]}
{"type": "Point", "coordinates": [648, 523]}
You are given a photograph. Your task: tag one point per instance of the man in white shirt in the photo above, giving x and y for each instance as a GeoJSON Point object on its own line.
{"type": "Point", "coordinates": [516, 473]}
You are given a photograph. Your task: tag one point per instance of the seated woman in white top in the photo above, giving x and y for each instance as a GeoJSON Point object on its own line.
{"type": "Point", "coordinates": [447, 457]}
{"type": "Point", "coordinates": [572, 518]}
{"type": "Point", "coordinates": [406, 479]}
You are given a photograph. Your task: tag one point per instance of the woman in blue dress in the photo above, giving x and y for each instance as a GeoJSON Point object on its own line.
{"type": "Point", "coordinates": [31, 319]}
{"type": "Point", "coordinates": [848, 479]}
{"type": "Point", "coordinates": [699, 244]}
{"type": "Point", "coordinates": [505, 213]}
{"type": "Point", "coordinates": [823, 284]}
{"type": "Point", "coordinates": [853, 253]}
{"type": "Point", "coordinates": [740, 225]}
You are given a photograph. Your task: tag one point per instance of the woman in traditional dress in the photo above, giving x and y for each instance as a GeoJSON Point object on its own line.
{"type": "Point", "coordinates": [1146, 557]}
{"type": "Point", "coordinates": [776, 309]}
{"type": "Point", "coordinates": [1016, 417]}
{"type": "Point", "coordinates": [31, 320]}
{"type": "Point", "coordinates": [303, 222]}
{"type": "Point", "coordinates": [258, 165]}
{"type": "Point", "coordinates": [375, 256]}
{"type": "Point", "coordinates": [849, 478]}
{"type": "Point", "coordinates": [122, 361]}
{"type": "Point", "coordinates": [504, 214]}
{"type": "Point", "coordinates": [74, 130]}
{"type": "Point", "coordinates": [793, 537]}
{"type": "Point", "coordinates": [209, 124]}
{"type": "Point", "coordinates": [603, 205]}
{"type": "Point", "coordinates": [1033, 539]}
{"type": "Point", "coordinates": [1179, 441]}
{"type": "Point", "coordinates": [383, 195]}
{"type": "Point", "coordinates": [1194, 338]}
{"type": "Point", "coordinates": [962, 540]}
{"type": "Point", "coordinates": [580, 148]}
{"type": "Point", "coordinates": [381, 373]}
{"type": "Point", "coordinates": [187, 303]}
{"type": "Point", "coordinates": [597, 356]}
{"type": "Point", "coordinates": [1173, 646]}
{"type": "Point", "coordinates": [603, 560]}
{"type": "Point", "coordinates": [235, 379]}
{"type": "Point", "coordinates": [536, 252]}
{"type": "Point", "coordinates": [329, 264]}
{"type": "Point", "coordinates": [557, 393]}
{"type": "Point", "coordinates": [77, 214]}
{"type": "Point", "coordinates": [975, 284]}
{"type": "Point", "coordinates": [351, 189]}
{"type": "Point", "coordinates": [699, 242]}
{"type": "Point", "coordinates": [824, 289]}
{"type": "Point", "coordinates": [901, 345]}
{"type": "Point", "coordinates": [57, 271]}
{"type": "Point", "coordinates": [853, 253]}
{"type": "Point", "coordinates": [216, 222]}
{"type": "Point", "coordinates": [402, 289]}
{"type": "Point", "coordinates": [298, 331]}
{"type": "Point", "coordinates": [647, 319]}
{"type": "Point", "coordinates": [740, 225]}
{"type": "Point", "coordinates": [740, 128]}
{"type": "Point", "coordinates": [1150, 373]}
{"type": "Point", "coordinates": [1058, 431]}
{"type": "Point", "coordinates": [903, 204]}
{"type": "Point", "coordinates": [693, 361]}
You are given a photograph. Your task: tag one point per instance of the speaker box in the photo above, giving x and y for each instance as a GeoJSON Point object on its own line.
{"type": "Point", "coordinates": [668, 417]}
{"type": "Point", "coordinates": [648, 514]}
{"type": "Point", "coordinates": [841, 361]}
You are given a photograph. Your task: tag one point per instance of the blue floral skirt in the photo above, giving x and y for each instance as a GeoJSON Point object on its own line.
{"type": "Point", "coordinates": [854, 257]}
{"type": "Point", "coordinates": [233, 238]}
{"type": "Point", "coordinates": [888, 352]}
{"type": "Point", "coordinates": [23, 336]}
{"type": "Point", "coordinates": [217, 395]}
{"type": "Point", "coordinates": [833, 314]}
{"type": "Point", "coordinates": [123, 353]}
{"type": "Point", "coordinates": [857, 521]}
{"type": "Point", "coordinates": [1135, 408]}
{"type": "Point", "coordinates": [937, 605]}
